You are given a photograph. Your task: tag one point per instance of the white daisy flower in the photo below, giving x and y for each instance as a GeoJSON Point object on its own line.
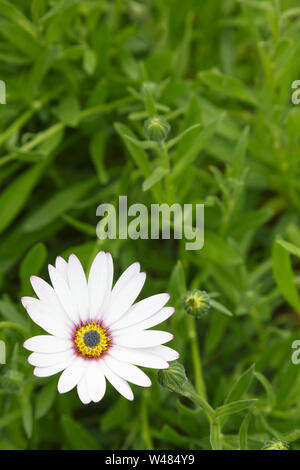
{"type": "Point", "coordinates": [95, 331]}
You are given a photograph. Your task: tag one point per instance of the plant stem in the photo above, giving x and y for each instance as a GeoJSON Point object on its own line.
{"type": "Point", "coordinates": [214, 422]}
{"type": "Point", "coordinates": [196, 356]}
{"type": "Point", "coordinates": [104, 107]}
{"type": "Point", "coordinates": [169, 190]}
{"type": "Point", "coordinates": [209, 411]}
{"type": "Point", "coordinates": [145, 423]}
{"type": "Point", "coordinates": [14, 326]}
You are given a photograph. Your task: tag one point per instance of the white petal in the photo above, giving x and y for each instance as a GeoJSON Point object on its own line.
{"type": "Point", "coordinates": [62, 266]}
{"type": "Point", "coordinates": [138, 357]}
{"type": "Point", "coordinates": [117, 382]}
{"type": "Point", "coordinates": [42, 289]}
{"type": "Point", "coordinates": [166, 353]}
{"type": "Point", "coordinates": [95, 381]}
{"type": "Point", "coordinates": [127, 371]}
{"type": "Point", "coordinates": [71, 375]}
{"type": "Point", "coordinates": [47, 344]}
{"type": "Point", "coordinates": [64, 294]}
{"type": "Point", "coordinates": [142, 310]}
{"type": "Point", "coordinates": [82, 391]}
{"type": "Point", "coordinates": [154, 320]}
{"type": "Point", "coordinates": [109, 281]}
{"type": "Point", "coordinates": [49, 359]}
{"type": "Point", "coordinates": [123, 280]}
{"type": "Point", "coordinates": [51, 370]}
{"type": "Point", "coordinates": [48, 296]}
{"type": "Point", "coordinates": [97, 284]}
{"type": "Point", "coordinates": [78, 287]}
{"type": "Point", "coordinates": [125, 299]}
{"type": "Point", "coordinates": [144, 339]}
{"type": "Point", "coordinates": [42, 317]}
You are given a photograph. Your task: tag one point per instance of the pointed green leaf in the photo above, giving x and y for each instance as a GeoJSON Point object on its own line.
{"type": "Point", "coordinates": [283, 275]}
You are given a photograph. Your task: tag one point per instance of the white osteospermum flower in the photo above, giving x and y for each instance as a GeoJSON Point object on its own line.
{"type": "Point", "coordinates": [95, 331]}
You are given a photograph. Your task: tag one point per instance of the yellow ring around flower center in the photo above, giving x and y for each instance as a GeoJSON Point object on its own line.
{"type": "Point", "coordinates": [91, 351]}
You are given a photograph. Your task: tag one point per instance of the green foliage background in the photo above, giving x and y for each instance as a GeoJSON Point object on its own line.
{"type": "Point", "coordinates": [81, 79]}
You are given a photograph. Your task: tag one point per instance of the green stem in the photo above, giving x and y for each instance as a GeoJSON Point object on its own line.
{"type": "Point", "coordinates": [169, 190]}
{"type": "Point", "coordinates": [145, 422]}
{"type": "Point", "coordinates": [215, 435]}
{"type": "Point", "coordinates": [214, 422]}
{"type": "Point", "coordinates": [198, 400]}
{"type": "Point", "coordinates": [24, 118]}
{"type": "Point", "coordinates": [196, 356]}
{"type": "Point", "coordinates": [14, 326]}
{"type": "Point", "coordinates": [106, 107]}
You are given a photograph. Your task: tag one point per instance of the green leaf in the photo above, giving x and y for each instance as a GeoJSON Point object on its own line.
{"type": "Point", "coordinates": [250, 221]}
{"type": "Point", "coordinates": [31, 266]}
{"type": "Point", "coordinates": [68, 111]}
{"type": "Point", "coordinates": [14, 197]}
{"type": "Point", "coordinates": [226, 85]}
{"type": "Point", "coordinates": [216, 332]}
{"type": "Point", "coordinates": [9, 312]}
{"type": "Point", "coordinates": [156, 176]}
{"type": "Point", "coordinates": [258, 4]}
{"type": "Point", "coordinates": [57, 205]}
{"type": "Point", "coordinates": [182, 55]}
{"type": "Point", "coordinates": [173, 437]}
{"type": "Point", "coordinates": [78, 437]}
{"type": "Point", "coordinates": [180, 136]}
{"type": "Point", "coordinates": [13, 13]}
{"type": "Point", "coordinates": [89, 61]}
{"type": "Point", "coordinates": [26, 411]}
{"type": "Point", "coordinates": [239, 153]}
{"type": "Point", "coordinates": [116, 417]}
{"type": "Point", "coordinates": [138, 155]}
{"type": "Point", "coordinates": [243, 433]}
{"type": "Point", "coordinates": [177, 285]}
{"type": "Point", "coordinates": [20, 38]}
{"type": "Point", "coordinates": [200, 143]}
{"type": "Point", "coordinates": [218, 250]}
{"type": "Point", "coordinates": [283, 275]}
{"type": "Point", "coordinates": [45, 399]}
{"type": "Point", "coordinates": [241, 385]}
{"type": "Point", "coordinates": [32, 157]}
{"type": "Point", "coordinates": [149, 101]}
{"type": "Point", "coordinates": [220, 308]}
{"type": "Point", "coordinates": [234, 407]}
{"type": "Point", "coordinates": [97, 150]}
{"type": "Point", "coordinates": [143, 144]}
{"type": "Point", "coordinates": [290, 247]}
{"type": "Point", "coordinates": [88, 229]}
{"type": "Point", "coordinates": [9, 418]}
{"type": "Point", "coordinates": [268, 388]}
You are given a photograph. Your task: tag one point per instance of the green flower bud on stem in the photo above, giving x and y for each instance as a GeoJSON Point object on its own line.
{"type": "Point", "coordinates": [276, 444]}
{"type": "Point", "coordinates": [196, 303]}
{"type": "Point", "coordinates": [157, 128]}
{"type": "Point", "coordinates": [173, 378]}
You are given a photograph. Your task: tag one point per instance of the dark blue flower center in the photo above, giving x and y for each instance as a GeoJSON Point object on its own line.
{"type": "Point", "coordinates": [91, 338]}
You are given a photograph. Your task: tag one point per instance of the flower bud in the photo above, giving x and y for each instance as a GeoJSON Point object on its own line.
{"type": "Point", "coordinates": [12, 381]}
{"type": "Point", "coordinates": [173, 378]}
{"type": "Point", "coordinates": [276, 444]}
{"type": "Point", "coordinates": [156, 128]}
{"type": "Point", "coordinates": [196, 303]}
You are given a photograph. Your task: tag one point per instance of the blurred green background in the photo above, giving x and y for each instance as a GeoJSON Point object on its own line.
{"type": "Point", "coordinates": [82, 77]}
